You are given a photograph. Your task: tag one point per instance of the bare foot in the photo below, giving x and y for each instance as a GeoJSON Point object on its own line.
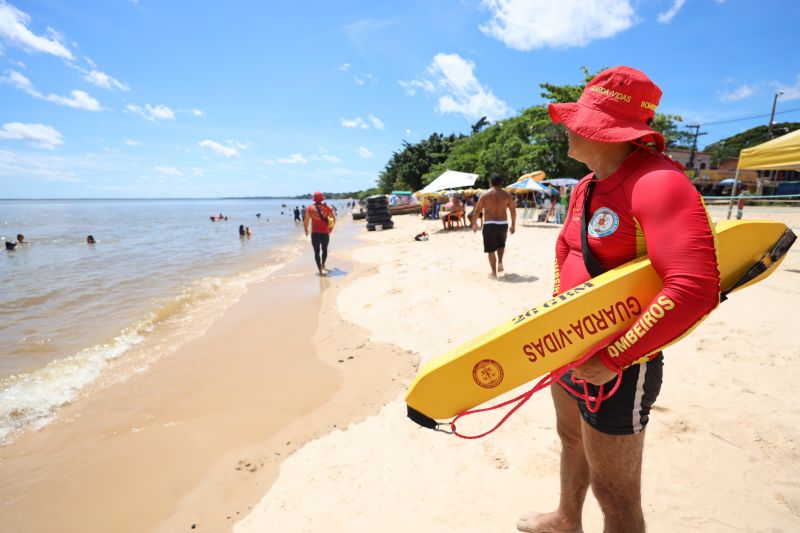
{"type": "Point", "coordinates": [493, 275]}
{"type": "Point", "coordinates": [554, 522]}
{"type": "Point", "coordinates": [499, 267]}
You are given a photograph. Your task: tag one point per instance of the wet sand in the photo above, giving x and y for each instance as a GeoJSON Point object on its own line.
{"type": "Point", "coordinates": [198, 437]}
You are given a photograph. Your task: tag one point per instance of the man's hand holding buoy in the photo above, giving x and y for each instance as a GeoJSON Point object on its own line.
{"type": "Point", "coordinates": [594, 371]}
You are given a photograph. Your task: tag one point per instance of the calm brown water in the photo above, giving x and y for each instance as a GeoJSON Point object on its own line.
{"type": "Point", "coordinates": [159, 272]}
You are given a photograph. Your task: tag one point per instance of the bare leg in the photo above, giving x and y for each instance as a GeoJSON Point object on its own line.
{"type": "Point", "coordinates": [574, 473]}
{"type": "Point", "coordinates": [493, 263]}
{"type": "Point", "coordinates": [616, 465]}
{"type": "Point", "coordinates": [500, 252]}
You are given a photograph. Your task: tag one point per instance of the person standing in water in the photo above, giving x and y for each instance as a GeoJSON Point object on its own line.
{"type": "Point", "coordinates": [296, 214]}
{"type": "Point", "coordinates": [322, 219]}
{"type": "Point", "coordinates": [493, 205]}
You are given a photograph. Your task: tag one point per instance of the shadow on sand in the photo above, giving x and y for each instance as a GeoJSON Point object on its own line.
{"type": "Point", "coordinates": [335, 272]}
{"type": "Point", "coordinates": [516, 278]}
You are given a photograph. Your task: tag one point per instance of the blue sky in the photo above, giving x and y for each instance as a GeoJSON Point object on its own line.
{"type": "Point", "coordinates": [146, 98]}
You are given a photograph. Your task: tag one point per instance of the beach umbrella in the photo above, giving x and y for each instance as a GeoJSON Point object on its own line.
{"type": "Point", "coordinates": [561, 182]}
{"type": "Point", "coordinates": [536, 175]}
{"type": "Point", "coordinates": [451, 179]}
{"type": "Point", "coordinates": [528, 185]}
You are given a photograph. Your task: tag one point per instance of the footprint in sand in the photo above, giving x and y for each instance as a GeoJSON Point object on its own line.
{"type": "Point", "coordinates": [680, 426]}
{"type": "Point", "coordinates": [250, 466]}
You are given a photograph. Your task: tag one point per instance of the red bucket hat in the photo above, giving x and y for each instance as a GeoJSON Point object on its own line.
{"type": "Point", "coordinates": [318, 198]}
{"type": "Point", "coordinates": [618, 105]}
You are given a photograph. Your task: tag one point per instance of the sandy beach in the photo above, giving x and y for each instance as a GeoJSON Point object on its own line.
{"type": "Point", "coordinates": [287, 414]}
{"type": "Point", "coordinates": [722, 451]}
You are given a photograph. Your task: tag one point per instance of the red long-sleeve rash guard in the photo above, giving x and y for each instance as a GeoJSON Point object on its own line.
{"type": "Point", "coordinates": [646, 207]}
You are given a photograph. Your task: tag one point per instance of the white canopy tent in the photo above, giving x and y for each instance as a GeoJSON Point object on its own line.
{"type": "Point", "coordinates": [450, 179]}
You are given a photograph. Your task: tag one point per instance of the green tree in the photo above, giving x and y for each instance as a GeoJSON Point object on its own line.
{"type": "Point", "coordinates": [406, 168]}
{"type": "Point", "coordinates": [730, 147]}
{"type": "Point", "coordinates": [478, 126]}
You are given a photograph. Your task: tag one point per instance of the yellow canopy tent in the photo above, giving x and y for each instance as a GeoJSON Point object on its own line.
{"type": "Point", "coordinates": [782, 153]}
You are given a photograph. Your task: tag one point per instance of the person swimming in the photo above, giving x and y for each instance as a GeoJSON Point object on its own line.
{"type": "Point", "coordinates": [90, 239]}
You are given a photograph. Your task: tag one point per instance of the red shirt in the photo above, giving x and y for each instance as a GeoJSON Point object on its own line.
{"type": "Point", "coordinates": [647, 206]}
{"type": "Point", "coordinates": [319, 224]}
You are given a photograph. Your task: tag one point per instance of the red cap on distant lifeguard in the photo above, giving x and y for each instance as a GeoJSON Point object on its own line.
{"type": "Point", "coordinates": [318, 198]}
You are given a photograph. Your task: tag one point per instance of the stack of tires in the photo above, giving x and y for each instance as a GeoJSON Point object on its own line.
{"type": "Point", "coordinates": [378, 213]}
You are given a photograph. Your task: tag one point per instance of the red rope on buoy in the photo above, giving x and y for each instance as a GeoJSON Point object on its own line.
{"type": "Point", "coordinates": [546, 381]}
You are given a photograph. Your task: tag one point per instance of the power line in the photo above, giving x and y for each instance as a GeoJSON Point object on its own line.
{"type": "Point", "coordinates": [748, 118]}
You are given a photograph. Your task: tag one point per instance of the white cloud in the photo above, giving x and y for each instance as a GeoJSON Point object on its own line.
{"type": "Point", "coordinates": [376, 122]}
{"type": "Point", "coordinates": [363, 79]}
{"type": "Point", "coordinates": [49, 168]}
{"type": "Point", "coordinates": [667, 16]}
{"type": "Point", "coordinates": [38, 134]}
{"type": "Point", "coordinates": [325, 156]}
{"type": "Point", "coordinates": [238, 144]}
{"type": "Point", "coordinates": [363, 33]}
{"type": "Point", "coordinates": [131, 142]}
{"type": "Point", "coordinates": [14, 30]}
{"type": "Point", "coordinates": [364, 152]}
{"type": "Point", "coordinates": [168, 171]}
{"type": "Point", "coordinates": [198, 112]}
{"type": "Point", "coordinates": [151, 113]}
{"type": "Point", "coordinates": [463, 93]}
{"type": "Point", "coordinates": [78, 100]}
{"type": "Point", "coordinates": [12, 77]}
{"type": "Point", "coordinates": [740, 93]}
{"type": "Point", "coordinates": [410, 87]}
{"type": "Point", "coordinates": [199, 172]}
{"type": "Point", "coordinates": [344, 67]}
{"type": "Point", "coordinates": [533, 24]}
{"type": "Point", "coordinates": [790, 92]}
{"type": "Point", "coordinates": [360, 123]}
{"type": "Point", "coordinates": [221, 149]}
{"type": "Point", "coordinates": [357, 122]}
{"type": "Point", "coordinates": [101, 79]}
{"type": "Point", "coordinates": [293, 160]}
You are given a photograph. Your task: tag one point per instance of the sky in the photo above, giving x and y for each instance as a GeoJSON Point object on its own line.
{"type": "Point", "coordinates": [146, 98]}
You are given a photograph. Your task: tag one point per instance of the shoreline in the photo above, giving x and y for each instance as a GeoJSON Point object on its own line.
{"type": "Point", "coordinates": [193, 439]}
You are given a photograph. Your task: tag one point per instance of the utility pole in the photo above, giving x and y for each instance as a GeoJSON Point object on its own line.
{"type": "Point", "coordinates": [772, 115]}
{"type": "Point", "coordinates": [694, 142]}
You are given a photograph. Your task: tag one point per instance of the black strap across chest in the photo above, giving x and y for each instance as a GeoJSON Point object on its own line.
{"type": "Point", "coordinates": [593, 266]}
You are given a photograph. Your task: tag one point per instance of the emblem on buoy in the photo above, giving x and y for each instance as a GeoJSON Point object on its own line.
{"type": "Point", "coordinates": [487, 373]}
